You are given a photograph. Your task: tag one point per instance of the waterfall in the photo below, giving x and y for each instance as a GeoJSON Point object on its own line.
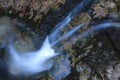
{"type": "Point", "coordinates": [40, 60]}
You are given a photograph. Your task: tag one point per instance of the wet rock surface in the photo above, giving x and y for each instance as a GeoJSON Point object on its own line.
{"type": "Point", "coordinates": [93, 58]}
{"type": "Point", "coordinates": [96, 58]}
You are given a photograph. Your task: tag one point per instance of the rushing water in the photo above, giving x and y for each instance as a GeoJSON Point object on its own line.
{"type": "Point", "coordinates": [61, 25]}
{"type": "Point", "coordinates": [35, 62]}
{"type": "Point", "coordinates": [41, 60]}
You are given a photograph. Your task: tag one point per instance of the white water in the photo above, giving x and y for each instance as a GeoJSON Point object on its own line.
{"type": "Point", "coordinates": [97, 28]}
{"type": "Point", "coordinates": [31, 63]}
{"type": "Point", "coordinates": [68, 34]}
{"type": "Point", "coordinates": [61, 25]}
{"type": "Point", "coordinates": [36, 62]}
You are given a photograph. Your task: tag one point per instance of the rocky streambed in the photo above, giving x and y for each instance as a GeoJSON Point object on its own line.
{"type": "Point", "coordinates": [95, 57]}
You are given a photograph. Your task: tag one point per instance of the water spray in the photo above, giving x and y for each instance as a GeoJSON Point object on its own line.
{"type": "Point", "coordinates": [39, 61]}
{"type": "Point", "coordinates": [36, 62]}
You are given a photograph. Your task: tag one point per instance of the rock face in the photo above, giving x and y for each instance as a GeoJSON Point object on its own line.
{"type": "Point", "coordinates": [32, 10]}
{"type": "Point", "coordinates": [94, 57]}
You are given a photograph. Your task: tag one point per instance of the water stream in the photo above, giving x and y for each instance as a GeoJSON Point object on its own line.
{"type": "Point", "coordinates": [41, 60]}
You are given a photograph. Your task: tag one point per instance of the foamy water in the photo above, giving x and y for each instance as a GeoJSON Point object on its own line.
{"type": "Point", "coordinates": [39, 61]}
{"type": "Point", "coordinates": [35, 62]}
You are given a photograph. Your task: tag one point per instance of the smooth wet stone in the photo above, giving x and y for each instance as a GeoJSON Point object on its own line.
{"type": "Point", "coordinates": [61, 67]}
